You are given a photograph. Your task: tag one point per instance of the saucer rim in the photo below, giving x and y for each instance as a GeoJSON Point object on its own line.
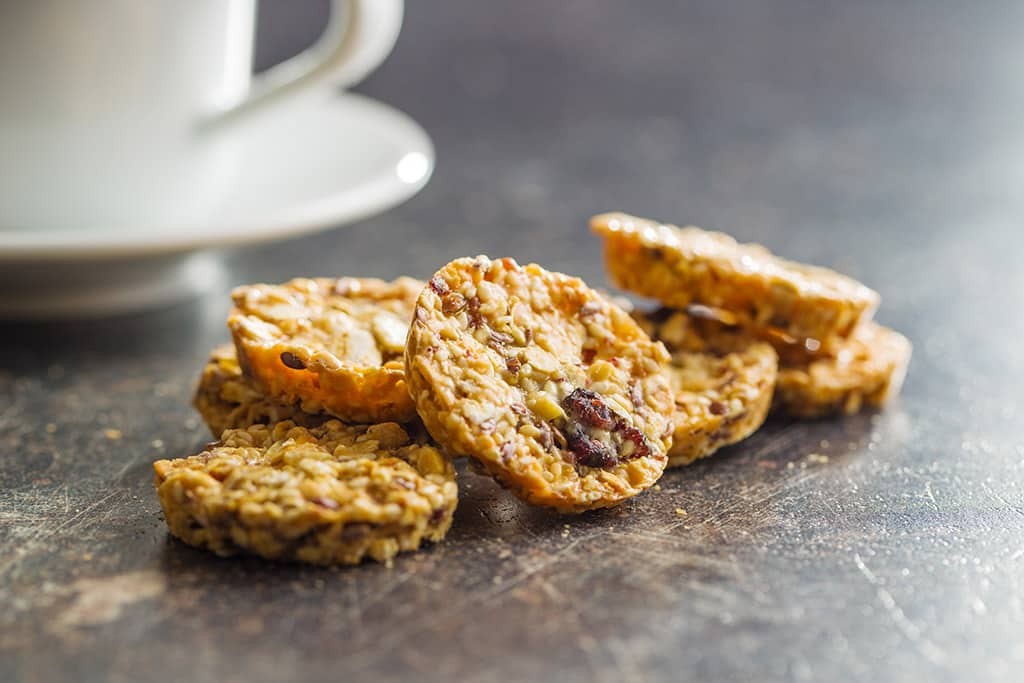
{"type": "Point", "coordinates": [347, 204]}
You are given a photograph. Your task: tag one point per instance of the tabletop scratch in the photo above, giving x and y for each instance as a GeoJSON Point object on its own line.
{"type": "Point", "coordinates": [908, 628]}
{"type": "Point", "coordinates": [33, 541]}
{"type": "Point", "coordinates": [1002, 499]}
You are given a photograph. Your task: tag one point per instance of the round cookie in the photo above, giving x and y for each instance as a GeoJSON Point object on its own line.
{"type": "Point", "coordinates": [334, 346]}
{"type": "Point", "coordinates": [553, 389]}
{"type": "Point", "coordinates": [332, 494]}
{"type": "Point", "coordinates": [864, 371]}
{"type": "Point", "coordinates": [684, 266]}
{"type": "Point", "coordinates": [227, 399]}
{"type": "Point", "coordinates": [722, 382]}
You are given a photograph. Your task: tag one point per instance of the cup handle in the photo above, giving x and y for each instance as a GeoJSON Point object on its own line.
{"type": "Point", "coordinates": [359, 35]}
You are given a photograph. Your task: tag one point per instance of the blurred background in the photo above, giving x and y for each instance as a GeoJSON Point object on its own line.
{"type": "Point", "coordinates": [886, 123]}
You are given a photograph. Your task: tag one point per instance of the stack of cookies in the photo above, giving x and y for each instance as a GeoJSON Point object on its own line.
{"type": "Point", "coordinates": [341, 404]}
{"type": "Point", "coordinates": [749, 331]}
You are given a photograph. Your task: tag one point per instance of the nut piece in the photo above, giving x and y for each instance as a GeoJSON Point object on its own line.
{"type": "Point", "coordinates": [335, 346]}
{"type": "Point", "coordinates": [722, 381]}
{"type": "Point", "coordinates": [227, 399]}
{"type": "Point", "coordinates": [684, 266]}
{"type": "Point", "coordinates": [864, 371]}
{"type": "Point", "coordinates": [333, 494]}
{"type": "Point", "coordinates": [553, 389]}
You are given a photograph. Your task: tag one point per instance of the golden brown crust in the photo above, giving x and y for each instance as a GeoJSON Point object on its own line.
{"type": "Point", "coordinates": [334, 346]}
{"type": "Point", "coordinates": [684, 266]}
{"type": "Point", "coordinates": [722, 382]}
{"type": "Point", "coordinates": [548, 385]}
{"type": "Point", "coordinates": [333, 494]}
{"type": "Point", "coordinates": [839, 377]}
{"type": "Point", "coordinates": [865, 371]}
{"type": "Point", "coordinates": [227, 399]}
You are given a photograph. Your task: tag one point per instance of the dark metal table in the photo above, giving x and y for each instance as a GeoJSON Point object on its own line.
{"type": "Point", "coordinates": [885, 139]}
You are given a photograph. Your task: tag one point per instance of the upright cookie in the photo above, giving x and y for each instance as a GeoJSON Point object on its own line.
{"type": "Point", "coordinates": [722, 382]}
{"type": "Point", "coordinates": [334, 346]}
{"type": "Point", "coordinates": [864, 371]}
{"type": "Point", "coordinates": [684, 266]}
{"type": "Point", "coordinates": [332, 494]}
{"type": "Point", "coordinates": [227, 399]}
{"type": "Point", "coordinates": [553, 389]}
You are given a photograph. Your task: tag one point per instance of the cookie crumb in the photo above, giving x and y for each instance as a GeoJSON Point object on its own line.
{"type": "Point", "coordinates": [113, 434]}
{"type": "Point", "coordinates": [157, 443]}
{"type": "Point", "coordinates": [817, 458]}
{"type": "Point", "coordinates": [681, 512]}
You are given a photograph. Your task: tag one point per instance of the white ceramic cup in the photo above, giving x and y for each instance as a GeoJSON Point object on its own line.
{"type": "Point", "coordinates": [111, 110]}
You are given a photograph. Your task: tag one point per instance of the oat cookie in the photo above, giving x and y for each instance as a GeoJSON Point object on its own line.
{"type": "Point", "coordinates": [556, 391]}
{"type": "Point", "coordinates": [789, 349]}
{"type": "Point", "coordinates": [333, 345]}
{"type": "Point", "coordinates": [722, 382]}
{"type": "Point", "coordinates": [683, 266]}
{"type": "Point", "coordinates": [332, 494]}
{"type": "Point", "coordinates": [865, 371]}
{"type": "Point", "coordinates": [227, 399]}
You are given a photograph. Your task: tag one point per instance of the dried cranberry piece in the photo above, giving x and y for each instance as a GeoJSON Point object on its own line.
{"type": "Point", "coordinates": [439, 286]}
{"type": "Point", "coordinates": [589, 408]}
{"type": "Point", "coordinates": [452, 303]}
{"type": "Point", "coordinates": [643, 449]}
{"type": "Point", "coordinates": [473, 312]}
{"type": "Point", "coordinates": [590, 452]}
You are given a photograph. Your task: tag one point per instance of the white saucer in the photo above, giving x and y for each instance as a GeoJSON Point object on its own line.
{"type": "Point", "coordinates": [319, 163]}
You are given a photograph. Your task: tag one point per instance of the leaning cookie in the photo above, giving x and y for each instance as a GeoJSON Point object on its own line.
{"type": "Point", "coordinates": [722, 382]}
{"type": "Point", "coordinates": [332, 494]}
{"type": "Point", "coordinates": [684, 266]}
{"type": "Point", "coordinates": [865, 371]}
{"type": "Point", "coordinates": [227, 399]}
{"type": "Point", "coordinates": [334, 346]}
{"type": "Point", "coordinates": [553, 389]}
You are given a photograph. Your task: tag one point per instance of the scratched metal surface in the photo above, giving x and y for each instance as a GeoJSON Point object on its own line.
{"type": "Point", "coordinates": [882, 140]}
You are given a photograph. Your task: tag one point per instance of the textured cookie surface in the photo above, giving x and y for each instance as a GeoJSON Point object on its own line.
{"type": "Point", "coordinates": [684, 266]}
{"type": "Point", "coordinates": [864, 371]}
{"type": "Point", "coordinates": [332, 494]}
{"type": "Point", "coordinates": [722, 382]}
{"type": "Point", "coordinates": [334, 346]}
{"type": "Point", "coordinates": [553, 389]}
{"type": "Point", "coordinates": [227, 399]}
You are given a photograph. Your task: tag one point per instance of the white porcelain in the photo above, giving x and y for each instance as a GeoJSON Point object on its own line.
{"type": "Point", "coordinates": [320, 161]}
{"type": "Point", "coordinates": [133, 130]}
{"type": "Point", "coordinates": [105, 103]}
